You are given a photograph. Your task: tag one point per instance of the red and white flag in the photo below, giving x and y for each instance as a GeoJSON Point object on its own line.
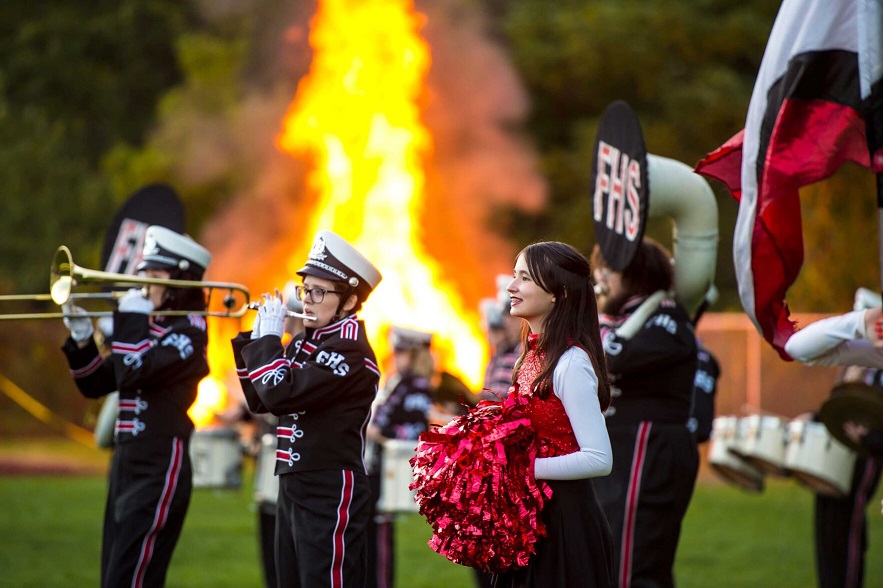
{"type": "Point", "coordinates": [817, 103]}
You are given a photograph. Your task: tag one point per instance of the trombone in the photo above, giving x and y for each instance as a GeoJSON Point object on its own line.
{"type": "Point", "coordinates": [65, 275]}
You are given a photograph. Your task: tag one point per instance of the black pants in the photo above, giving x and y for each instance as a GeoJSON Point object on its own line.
{"type": "Point", "coordinates": [841, 529]}
{"type": "Point", "coordinates": [266, 540]}
{"type": "Point", "coordinates": [381, 541]}
{"type": "Point", "coordinates": [321, 522]}
{"type": "Point", "coordinates": [645, 499]}
{"type": "Point", "coordinates": [148, 497]}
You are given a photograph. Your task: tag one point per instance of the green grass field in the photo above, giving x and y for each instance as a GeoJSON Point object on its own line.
{"type": "Point", "coordinates": [50, 530]}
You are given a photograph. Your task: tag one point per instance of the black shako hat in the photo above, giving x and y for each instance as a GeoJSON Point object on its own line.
{"type": "Point", "coordinates": [166, 249]}
{"type": "Point", "coordinates": [332, 258]}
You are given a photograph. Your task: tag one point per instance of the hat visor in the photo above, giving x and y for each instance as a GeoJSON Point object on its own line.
{"type": "Point", "coordinates": [153, 264]}
{"type": "Point", "coordinates": [309, 270]}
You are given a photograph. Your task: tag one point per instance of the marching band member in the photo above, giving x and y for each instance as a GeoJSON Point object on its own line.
{"type": "Point", "coordinates": [840, 529]}
{"type": "Point", "coordinates": [266, 427]}
{"type": "Point", "coordinates": [849, 339]}
{"type": "Point", "coordinates": [400, 412]}
{"type": "Point", "coordinates": [504, 335]}
{"type": "Point", "coordinates": [651, 376]}
{"type": "Point", "coordinates": [156, 365]}
{"type": "Point", "coordinates": [321, 387]}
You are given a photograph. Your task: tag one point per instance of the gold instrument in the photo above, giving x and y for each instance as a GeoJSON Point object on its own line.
{"type": "Point", "coordinates": [65, 276]}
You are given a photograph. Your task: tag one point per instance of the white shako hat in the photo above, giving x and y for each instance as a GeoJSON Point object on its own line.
{"type": "Point", "coordinates": [492, 311]}
{"type": "Point", "coordinates": [332, 258]}
{"type": "Point", "coordinates": [405, 339]}
{"type": "Point", "coordinates": [166, 249]}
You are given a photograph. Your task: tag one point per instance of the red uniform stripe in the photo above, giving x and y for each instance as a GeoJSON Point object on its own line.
{"type": "Point", "coordinates": [162, 512]}
{"type": "Point", "coordinates": [88, 369]}
{"type": "Point", "coordinates": [343, 518]}
{"type": "Point", "coordinates": [633, 494]}
{"type": "Point", "coordinates": [274, 365]}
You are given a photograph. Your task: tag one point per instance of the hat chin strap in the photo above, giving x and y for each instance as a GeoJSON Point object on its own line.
{"type": "Point", "coordinates": [352, 283]}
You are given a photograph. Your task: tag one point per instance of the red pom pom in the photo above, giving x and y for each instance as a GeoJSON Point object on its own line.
{"type": "Point", "coordinates": [476, 487]}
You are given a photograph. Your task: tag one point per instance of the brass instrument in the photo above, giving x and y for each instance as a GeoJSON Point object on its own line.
{"type": "Point", "coordinates": [65, 276]}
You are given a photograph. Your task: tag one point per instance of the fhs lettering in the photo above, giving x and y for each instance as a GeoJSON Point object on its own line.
{"type": "Point", "coordinates": [617, 185]}
{"type": "Point", "coordinates": [180, 342]}
{"type": "Point", "coordinates": [664, 321]}
{"type": "Point", "coordinates": [333, 360]}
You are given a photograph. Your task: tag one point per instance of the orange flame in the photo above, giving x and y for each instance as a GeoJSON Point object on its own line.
{"type": "Point", "coordinates": [356, 118]}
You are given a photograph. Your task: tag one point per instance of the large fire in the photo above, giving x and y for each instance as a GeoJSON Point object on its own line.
{"type": "Point", "coordinates": [356, 118]}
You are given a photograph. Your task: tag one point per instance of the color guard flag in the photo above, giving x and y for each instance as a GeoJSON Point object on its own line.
{"type": "Point", "coordinates": [817, 103]}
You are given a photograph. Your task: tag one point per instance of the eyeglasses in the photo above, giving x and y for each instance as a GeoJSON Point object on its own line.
{"type": "Point", "coordinates": [316, 295]}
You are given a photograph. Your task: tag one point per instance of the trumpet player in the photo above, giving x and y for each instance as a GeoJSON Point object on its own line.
{"type": "Point", "coordinates": [156, 364]}
{"type": "Point", "coordinates": [321, 387]}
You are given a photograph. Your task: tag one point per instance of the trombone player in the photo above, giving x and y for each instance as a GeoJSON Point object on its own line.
{"type": "Point", "coordinates": [156, 363]}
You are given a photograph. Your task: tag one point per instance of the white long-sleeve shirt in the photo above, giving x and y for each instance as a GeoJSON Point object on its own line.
{"type": "Point", "coordinates": [839, 340]}
{"type": "Point", "coordinates": [576, 384]}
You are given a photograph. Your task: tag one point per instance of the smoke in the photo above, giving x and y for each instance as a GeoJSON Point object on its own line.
{"type": "Point", "coordinates": [480, 163]}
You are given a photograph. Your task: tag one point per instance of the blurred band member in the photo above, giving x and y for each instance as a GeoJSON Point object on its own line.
{"type": "Point", "coordinates": [401, 413]}
{"type": "Point", "coordinates": [504, 335]}
{"type": "Point", "coordinates": [840, 529]}
{"type": "Point", "coordinates": [656, 457]}
{"type": "Point", "coordinates": [155, 364]}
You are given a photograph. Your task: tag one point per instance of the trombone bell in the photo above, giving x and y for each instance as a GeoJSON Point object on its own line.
{"type": "Point", "coordinates": [65, 276]}
{"type": "Point", "coordinates": [61, 281]}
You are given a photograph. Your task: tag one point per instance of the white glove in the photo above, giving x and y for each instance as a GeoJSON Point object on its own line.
{"type": "Point", "coordinates": [256, 327]}
{"type": "Point", "coordinates": [105, 325]}
{"type": "Point", "coordinates": [134, 301]}
{"type": "Point", "coordinates": [80, 327]}
{"type": "Point", "coordinates": [272, 316]}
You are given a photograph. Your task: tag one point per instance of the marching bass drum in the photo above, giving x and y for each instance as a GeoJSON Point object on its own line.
{"type": "Point", "coordinates": [395, 477]}
{"type": "Point", "coordinates": [817, 460]}
{"type": "Point", "coordinates": [764, 443]}
{"type": "Point", "coordinates": [725, 435]}
{"type": "Point", "coordinates": [216, 455]}
{"type": "Point", "coordinates": [266, 482]}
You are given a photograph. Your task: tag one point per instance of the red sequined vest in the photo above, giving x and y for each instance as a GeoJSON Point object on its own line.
{"type": "Point", "coordinates": [547, 415]}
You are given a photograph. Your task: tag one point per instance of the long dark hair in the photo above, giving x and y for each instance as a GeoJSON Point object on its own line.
{"type": "Point", "coordinates": [565, 273]}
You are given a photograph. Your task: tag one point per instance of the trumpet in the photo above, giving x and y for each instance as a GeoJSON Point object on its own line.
{"type": "Point", "coordinates": [65, 276]}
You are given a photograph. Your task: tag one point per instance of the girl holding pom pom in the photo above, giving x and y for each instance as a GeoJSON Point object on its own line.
{"type": "Point", "coordinates": [563, 373]}
{"type": "Point", "coordinates": [507, 487]}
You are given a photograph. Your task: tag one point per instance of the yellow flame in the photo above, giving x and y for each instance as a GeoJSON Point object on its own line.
{"type": "Point", "coordinates": [357, 118]}
{"type": "Point", "coordinates": [211, 400]}
{"type": "Point", "coordinates": [357, 115]}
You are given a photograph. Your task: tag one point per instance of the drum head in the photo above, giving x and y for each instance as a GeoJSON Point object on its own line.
{"type": "Point", "coordinates": [859, 403]}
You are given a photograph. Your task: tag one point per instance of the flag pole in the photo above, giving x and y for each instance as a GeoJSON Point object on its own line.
{"type": "Point", "coordinates": [880, 225]}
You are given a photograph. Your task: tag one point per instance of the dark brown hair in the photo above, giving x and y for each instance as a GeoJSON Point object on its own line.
{"type": "Point", "coordinates": [184, 298]}
{"type": "Point", "coordinates": [565, 273]}
{"type": "Point", "coordinates": [649, 271]}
